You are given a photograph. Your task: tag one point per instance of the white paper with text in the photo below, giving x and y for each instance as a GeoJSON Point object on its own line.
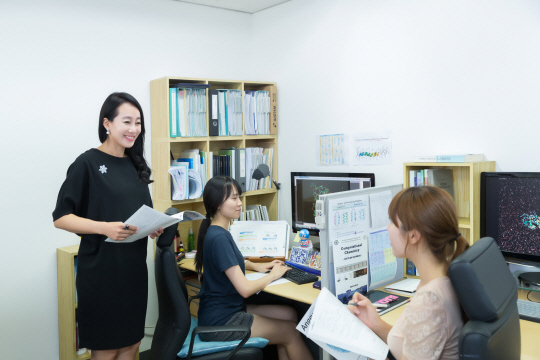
{"type": "Point", "coordinates": [334, 324]}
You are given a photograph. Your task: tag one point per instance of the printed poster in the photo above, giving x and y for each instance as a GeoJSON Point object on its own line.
{"type": "Point", "coordinates": [372, 148]}
{"type": "Point", "coordinates": [348, 231]}
{"type": "Point", "coordinates": [333, 150]}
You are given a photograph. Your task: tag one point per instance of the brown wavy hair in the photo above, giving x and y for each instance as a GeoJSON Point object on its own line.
{"type": "Point", "coordinates": [432, 212]}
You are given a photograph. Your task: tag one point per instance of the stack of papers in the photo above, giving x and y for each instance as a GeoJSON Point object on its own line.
{"type": "Point", "coordinates": [334, 328]}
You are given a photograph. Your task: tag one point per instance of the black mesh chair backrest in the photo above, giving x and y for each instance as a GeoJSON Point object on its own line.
{"type": "Point", "coordinates": [487, 291]}
{"type": "Point", "coordinates": [174, 320]}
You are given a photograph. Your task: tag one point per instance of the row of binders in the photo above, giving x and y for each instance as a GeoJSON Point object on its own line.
{"type": "Point", "coordinates": [226, 112]}
{"type": "Point", "coordinates": [230, 114]}
{"type": "Point", "coordinates": [257, 110]}
{"type": "Point", "coordinates": [187, 110]}
{"type": "Point", "coordinates": [190, 173]}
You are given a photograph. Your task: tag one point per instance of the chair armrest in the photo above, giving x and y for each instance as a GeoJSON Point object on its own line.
{"type": "Point", "coordinates": [214, 329]}
{"type": "Point", "coordinates": [192, 298]}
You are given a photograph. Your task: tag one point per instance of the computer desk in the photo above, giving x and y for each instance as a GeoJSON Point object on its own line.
{"type": "Point", "coordinates": [530, 331]}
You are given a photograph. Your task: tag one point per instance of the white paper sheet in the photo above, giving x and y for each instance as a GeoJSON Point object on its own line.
{"type": "Point", "coordinates": [338, 353]}
{"type": "Point", "coordinates": [148, 220]}
{"type": "Point", "coordinates": [378, 206]}
{"type": "Point", "coordinates": [334, 324]}
{"type": "Point", "coordinates": [256, 276]}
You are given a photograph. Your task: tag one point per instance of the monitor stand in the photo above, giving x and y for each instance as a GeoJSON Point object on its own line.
{"type": "Point", "coordinates": [530, 278]}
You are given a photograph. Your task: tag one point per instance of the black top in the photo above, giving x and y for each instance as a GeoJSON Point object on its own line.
{"type": "Point", "coordinates": [112, 278]}
{"type": "Point", "coordinates": [219, 298]}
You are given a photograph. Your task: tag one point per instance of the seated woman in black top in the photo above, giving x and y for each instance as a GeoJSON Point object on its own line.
{"type": "Point", "coordinates": [225, 285]}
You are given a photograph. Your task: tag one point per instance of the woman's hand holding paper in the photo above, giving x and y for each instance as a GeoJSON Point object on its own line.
{"type": "Point", "coordinates": [365, 311]}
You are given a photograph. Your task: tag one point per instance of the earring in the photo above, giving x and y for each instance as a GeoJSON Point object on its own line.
{"type": "Point", "coordinates": [107, 132]}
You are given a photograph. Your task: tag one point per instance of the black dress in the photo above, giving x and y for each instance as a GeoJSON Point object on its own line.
{"type": "Point", "coordinates": [112, 278]}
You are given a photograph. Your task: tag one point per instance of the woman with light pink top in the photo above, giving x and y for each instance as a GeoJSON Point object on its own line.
{"type": "Point", "coordinates": [424, 229]}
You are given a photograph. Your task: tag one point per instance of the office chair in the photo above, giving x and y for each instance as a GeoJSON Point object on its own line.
{"type": "Point", "coordinates": [487, 292]}
{"type": "Point", "coordinates": [174, 319]}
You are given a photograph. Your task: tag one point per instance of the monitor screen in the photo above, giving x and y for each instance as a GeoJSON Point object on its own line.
{"type": "Point", "coordinates": [307, 186]}
{"type": "Point", "coordinates": [510, 212]}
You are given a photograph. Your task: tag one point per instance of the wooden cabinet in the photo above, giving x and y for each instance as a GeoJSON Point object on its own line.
{"type": "Point", "coordinates": [466, 179]}
{"type": "Point", "coordinates": [67, 307]}
{"type": "Point", "coordinates": [164, 146]}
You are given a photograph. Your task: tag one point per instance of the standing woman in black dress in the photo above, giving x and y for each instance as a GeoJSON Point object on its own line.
{"type": "Point", "coordinates": [103, 187]}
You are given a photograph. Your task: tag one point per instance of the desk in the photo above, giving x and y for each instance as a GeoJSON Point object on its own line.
{"type": "Point", "coordinates": [530, 331]}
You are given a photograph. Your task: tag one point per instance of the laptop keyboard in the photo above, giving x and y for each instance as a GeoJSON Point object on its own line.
{"type": "Point", "coordinates": [529, 310]}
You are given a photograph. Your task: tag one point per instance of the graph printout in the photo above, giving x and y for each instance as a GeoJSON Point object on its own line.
{"type": "Point", "coordinates": [382, 262]}
{"type": "Point", "coordinates": [372, 148]}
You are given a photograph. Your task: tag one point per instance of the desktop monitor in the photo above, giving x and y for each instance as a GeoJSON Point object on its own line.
{"type": "Point", "coordinates": [307, 186]}
{"type": "Point", "coordinates": [510, 214]}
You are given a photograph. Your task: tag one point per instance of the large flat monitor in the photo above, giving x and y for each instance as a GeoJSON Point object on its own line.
{"type": "Point", "coordinates": [307, 186]}
{"type": "Point", "coordinates": [510, 213]}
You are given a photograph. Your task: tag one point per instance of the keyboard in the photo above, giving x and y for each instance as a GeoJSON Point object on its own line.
{"type": "Point", "coordinates": [300, 276]}
{"type": "Point", "coordinates": [529, 310]}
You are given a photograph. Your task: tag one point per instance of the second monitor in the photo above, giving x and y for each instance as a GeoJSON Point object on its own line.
{"type": "Point", "coordinates": [307, 186]}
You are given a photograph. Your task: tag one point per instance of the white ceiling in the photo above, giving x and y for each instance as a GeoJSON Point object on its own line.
{"type": "Point", "coordinates": [248, 6]}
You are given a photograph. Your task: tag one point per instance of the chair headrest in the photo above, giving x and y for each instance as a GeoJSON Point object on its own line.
{"type": "Point", "coordinates": [484, 284]}
{"type": "Point", "coordinates": [167, 238]}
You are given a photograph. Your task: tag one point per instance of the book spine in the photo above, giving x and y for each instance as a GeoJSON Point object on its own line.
{"type": "Point", "coordinates": [172, 112]}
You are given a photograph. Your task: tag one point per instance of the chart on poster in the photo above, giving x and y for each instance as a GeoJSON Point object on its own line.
{"type": "Point", "coordinates": [382, 262]}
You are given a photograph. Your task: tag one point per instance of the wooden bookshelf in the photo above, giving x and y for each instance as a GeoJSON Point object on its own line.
{"type": "Point", "coordinates": [466, 179]}
{"type": "Point", "coordinates": [163, 145]}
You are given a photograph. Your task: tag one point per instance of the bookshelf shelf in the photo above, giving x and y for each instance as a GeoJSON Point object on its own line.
{"type": "Point", "coordinates": [163, 145]}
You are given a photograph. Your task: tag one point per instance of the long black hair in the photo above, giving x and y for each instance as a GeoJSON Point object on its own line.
{"type": "Point", "coordinates": [109, 110]}
{"type": "Point", "coordinates": [217, 190]}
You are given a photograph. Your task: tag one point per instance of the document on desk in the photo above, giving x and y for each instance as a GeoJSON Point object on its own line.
{"type": "Point", "coordinates": [258, 275]}
{"type": "Point", "coordinates": [149, 220]}
{"type": "Point", "coordinates": [334, 324]}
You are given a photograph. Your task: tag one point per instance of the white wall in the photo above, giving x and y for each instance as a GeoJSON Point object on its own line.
{"type": "Point", "coordinates": [59, 60]}
{"type": "Point", "coordinates": [446, 77]}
